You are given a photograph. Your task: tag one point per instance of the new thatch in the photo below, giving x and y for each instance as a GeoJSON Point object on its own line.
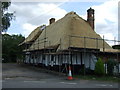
{"type": "Point", "coordinates": [70, 31]}
{"type": "Point", "coordinates": [33, 36]}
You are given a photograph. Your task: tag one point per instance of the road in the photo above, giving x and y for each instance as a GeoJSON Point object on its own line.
{"type": "Point", "coordinates": [22, 76]}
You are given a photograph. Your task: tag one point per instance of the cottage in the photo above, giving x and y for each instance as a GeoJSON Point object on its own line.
{"type": "Point", "coordinates": [68, 41]}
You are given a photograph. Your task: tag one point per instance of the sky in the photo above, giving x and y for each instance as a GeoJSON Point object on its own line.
{"type": "Point", "coordinates": [30, 15]}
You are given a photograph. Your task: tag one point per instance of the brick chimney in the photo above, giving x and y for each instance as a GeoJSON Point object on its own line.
{"type": "Point", "coordinates": [90, 17]}
{"type": "Point", "coordinates": [52, 20]}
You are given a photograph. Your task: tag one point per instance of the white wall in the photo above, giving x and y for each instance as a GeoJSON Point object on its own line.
{"type": "Point", "coordinates": [74, 59]}
{"type": "Point", "coordinates": [78, 59]}
{"type": "Point", "coordinates": [93, 61]}
{"type": "Point", "coordinates": [88, 59]}
{"type": "Point", "coordinates": [119, 67]}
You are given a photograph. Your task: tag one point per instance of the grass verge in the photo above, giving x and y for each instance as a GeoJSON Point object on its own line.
{"type": "Point", "coordinates": [98, 78]}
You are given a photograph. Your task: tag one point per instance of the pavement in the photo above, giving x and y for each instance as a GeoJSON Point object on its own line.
{"type": "Point", "coordinates": [25, 76]}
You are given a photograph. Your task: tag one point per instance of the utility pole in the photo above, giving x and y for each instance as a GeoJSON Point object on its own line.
{"type": "Point", "coordinates": [1, 14]}
{"type": "Point", "coordinates": [103, 44]}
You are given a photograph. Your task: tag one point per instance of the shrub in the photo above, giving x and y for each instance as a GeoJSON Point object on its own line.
{"type": "Point", "coordinates": [110, 66]}
{"type": "Point", "coordinates": [99, 67]}
{"type": "Point", "coordinates": [88, 71]}
{"type": "Point", "coordinates": [82, 70]}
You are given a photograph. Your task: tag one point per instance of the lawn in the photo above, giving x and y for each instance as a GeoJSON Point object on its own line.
{"type": "Point", "coordinates": [98, 78]}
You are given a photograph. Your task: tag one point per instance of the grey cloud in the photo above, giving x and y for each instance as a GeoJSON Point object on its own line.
{"type": "Point", "coordinates": [31, 12]}
{"type": "Point", "coordinates": [108, 28]}
{"type": "Point", "coordinates": [40, 20]}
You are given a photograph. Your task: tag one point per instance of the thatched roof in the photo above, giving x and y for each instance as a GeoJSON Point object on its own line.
{"type": "Point", "coordinates": [110, 50]}
{"type": "Point", "coordinates": [32, 36]}
{"type": "Point", "coordinates": [71, 24]}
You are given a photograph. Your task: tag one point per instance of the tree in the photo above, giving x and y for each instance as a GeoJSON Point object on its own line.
{"type": "Point", "coordinates": [6, 16]}
{"type": "Point", "coordinates": [99, 67]}
{"type": "Point", "coordinates": [11, 51]}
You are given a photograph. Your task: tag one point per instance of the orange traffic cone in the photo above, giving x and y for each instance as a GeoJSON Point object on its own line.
{"type": "Point", "coordinates": [70, 74]}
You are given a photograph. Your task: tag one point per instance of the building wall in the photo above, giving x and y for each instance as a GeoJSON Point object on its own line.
{"type": "Point", "coordinates": [76, 60]}
{"type": "Point", "coordinates": [87, 59]}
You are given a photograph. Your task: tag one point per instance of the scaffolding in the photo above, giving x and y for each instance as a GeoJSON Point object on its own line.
{"type": "Point", "coordinates": [54, 53]}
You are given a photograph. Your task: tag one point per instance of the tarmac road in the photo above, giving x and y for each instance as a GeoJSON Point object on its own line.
{"type": "Point", "coordinates": [24, 76]}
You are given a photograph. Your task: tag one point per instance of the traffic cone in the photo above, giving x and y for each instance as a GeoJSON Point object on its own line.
{"type": "Point", "coordinates": [70, 74]}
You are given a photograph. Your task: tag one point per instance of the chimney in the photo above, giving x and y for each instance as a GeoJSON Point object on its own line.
{"type": "Point", "coordinates": [52, 20]}
{"type": "Point", "coordinates": [90, 17]}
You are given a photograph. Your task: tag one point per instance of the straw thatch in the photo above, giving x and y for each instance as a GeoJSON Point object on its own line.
{"type": "Point", "coordinates": [110, 50]}
{"type": "Point", "coordinates": [33, 36]}
{"type": "Point", "coordinates": [59, 33]}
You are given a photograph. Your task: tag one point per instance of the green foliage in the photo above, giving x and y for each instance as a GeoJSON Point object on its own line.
{"type": "Point", "coordinates": [6, 21]}
{"type": "Point", "coordinates": [110, 66]}
{"type": "Point", "coordinates": [116, 47]}
{"type": "Point", "coordinates": [93, 77]}
{"type": "Point", "coordinates": [6, 16]}
{"type": "Point", "coordinates": [99, 67]}
{"type": "Point", "coordinates": [82, 70]}
{"type": "Point", "coordinates": [5, 5]}
{"type": "Point", "coordinates": [10, 49]}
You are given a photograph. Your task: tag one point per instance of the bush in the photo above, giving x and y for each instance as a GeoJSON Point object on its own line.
{"type": "Point", "coordinates": [99, 67]}
{"type": "Point", "coordinates": [88, 71]}
{"type": "Point", "coordinates": [110, 66]}
{"type": "Point", "coordinates": [82, 70]}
